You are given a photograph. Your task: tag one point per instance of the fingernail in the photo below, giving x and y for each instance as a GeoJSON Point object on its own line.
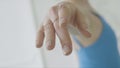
{"type": "Point", "coordinates": [66, 50]}
{"type": "Point", "coordinates": [38, 45]}
{"type": "Point", "coordinates": [49, 43]}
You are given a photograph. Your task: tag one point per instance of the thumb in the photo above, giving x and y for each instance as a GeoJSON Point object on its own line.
{"type": "Point", "coordinates": [82, 24]}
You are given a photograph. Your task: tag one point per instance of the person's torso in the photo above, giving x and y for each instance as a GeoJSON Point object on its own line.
{"type": "Point", "coordinates": [103, 53]}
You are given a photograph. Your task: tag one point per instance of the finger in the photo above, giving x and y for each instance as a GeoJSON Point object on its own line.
{"type": "Point", "coordinates": [53, 14]}
{"type": "Point", "coordinates": [49, 34]}
{"type": "Point", "coordinates": [64, 37]}
{"type": "Point", "coordinates": [40, 37]}
{"type": "Point", "coordinates": [61, 30]}
{"type": "Point", "coordinates": [64, 13]}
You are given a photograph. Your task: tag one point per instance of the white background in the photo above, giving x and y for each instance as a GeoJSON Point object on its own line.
{"type": "Point", "coordinates": [17, 35]}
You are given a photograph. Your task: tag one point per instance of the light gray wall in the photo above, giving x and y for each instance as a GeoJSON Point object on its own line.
{"type": "Point", "coordinates": [17, 35]}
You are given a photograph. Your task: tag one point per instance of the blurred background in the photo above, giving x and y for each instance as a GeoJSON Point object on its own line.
{"type": "Point", "coordinates": [19, 21]}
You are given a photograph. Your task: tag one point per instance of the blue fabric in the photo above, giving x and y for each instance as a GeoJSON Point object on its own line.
{"type": "Point", "coordinates": [103, 53]}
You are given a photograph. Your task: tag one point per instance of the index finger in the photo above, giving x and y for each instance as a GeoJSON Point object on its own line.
{"type": "Point", "coordinates": [61, 29]}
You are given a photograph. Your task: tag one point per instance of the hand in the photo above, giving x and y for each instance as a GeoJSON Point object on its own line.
{"type": "Point", "coordinates": [57, 21]}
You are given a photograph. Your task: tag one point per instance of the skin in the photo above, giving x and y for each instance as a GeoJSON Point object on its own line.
{"type": "Point", "coordinates": [75, 13]}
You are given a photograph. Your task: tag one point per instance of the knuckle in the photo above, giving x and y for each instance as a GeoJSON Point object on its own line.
{"type": "Point", "coordinates": [47, 25]}
{"type": "Point", "coordinates": [63, 20]}
{"type": "Point", "coordinates": [53, 14]}
{"type": "Point", "coordinates": [55, 20]}
{"type": "Point", "coordinates": [46, 21]}
{"type": "Point", "coordinates": [62, 25]}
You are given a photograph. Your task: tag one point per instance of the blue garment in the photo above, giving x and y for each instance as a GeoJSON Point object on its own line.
{"type": "Point", "coordinates": [103, 53]}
